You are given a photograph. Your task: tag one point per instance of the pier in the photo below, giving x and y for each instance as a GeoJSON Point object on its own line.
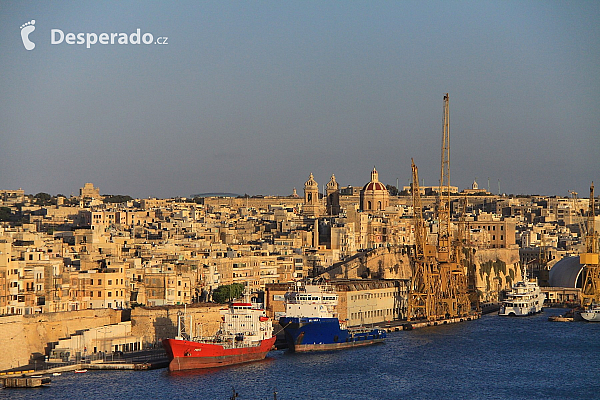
{"type": "Point", "coordinates": [24, 382]}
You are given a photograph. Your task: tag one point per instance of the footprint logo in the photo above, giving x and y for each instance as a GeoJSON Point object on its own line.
{"type": "Point", "coordinates": [26, 29]}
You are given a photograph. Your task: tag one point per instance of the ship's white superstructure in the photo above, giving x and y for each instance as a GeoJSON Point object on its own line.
{"type": "Point", "coordinates": [525, 298]}
{"type": "Point", "coordinates": [311, 301]}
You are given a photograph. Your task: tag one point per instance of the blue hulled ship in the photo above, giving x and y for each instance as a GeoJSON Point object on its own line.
{"type": "Point", "coordinates": [311, 322]}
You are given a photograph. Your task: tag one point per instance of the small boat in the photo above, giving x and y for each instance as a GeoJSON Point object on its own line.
{"type": "Point", "coordinates": [80, 371]}
{"type": "Point", "coordinates": [36, 376]}
{"type": "Point", "coordinates": [524, 299]}
{"type": "Point", "coordinates": [592, 314]}
{"type": "Point", "coordinates": [56, 374]}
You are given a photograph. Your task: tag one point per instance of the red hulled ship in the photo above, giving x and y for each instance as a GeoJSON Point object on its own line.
{"type": "Point", "coordinates": [246, 335]}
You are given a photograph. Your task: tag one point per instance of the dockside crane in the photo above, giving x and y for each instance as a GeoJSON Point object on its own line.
{"type": "Point", "coordinates": [443, 200]}
{"type": "Point", "coordinates": [439, 288]}
{"type": "Point", "coordinates": [421, 297]}
{"type": "Point", "coordinates": [453, 278]}
{"type": "Point", "coordinates": [578, 215]}
{"type": "Point", "coordinates": [590, 292]}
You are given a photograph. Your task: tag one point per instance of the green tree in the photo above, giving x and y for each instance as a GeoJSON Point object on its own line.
{"type": "Point", "coordinates": [5, 214]}
{"type": "Point", "coordinates": [119, 198]}
{"type": "Point", "coordinates": [42, 199]}
{"type": "Point", "coordinates": [392, 189]}
{"type": "Point", "coordinates": [226, 293]}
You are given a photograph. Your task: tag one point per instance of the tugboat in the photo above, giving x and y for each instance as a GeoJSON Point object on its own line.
{"type": "Point", "coordinates": [524, 299]}
{"type": "Point", "coordinates": [311, 323]}
{"type": "Point", "coordinates": [245, 335]}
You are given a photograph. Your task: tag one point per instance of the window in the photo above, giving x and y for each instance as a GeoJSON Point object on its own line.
{"type": "Point", "coordinates": [91, 281]}
{"type": "Point", "coordinates": [109, 294]}
{"type": "Point", "coordinates": [99, 281]}
{"type": "Point", "coordinates": [99, 293]}
{"type": "Point", "coordinates": [110, 281]}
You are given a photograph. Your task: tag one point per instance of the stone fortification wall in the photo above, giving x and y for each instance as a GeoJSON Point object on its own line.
{"type": "Point", "coordinates": [152, 324]}
{"type": "Point", "coordinates": [22, 336]}
{"type": "Point", "coordinates": [254, 202]}
{"type": "Point", "coordinates": [381, 263]}
{"type": "Point", "coordinates": [496, 270]}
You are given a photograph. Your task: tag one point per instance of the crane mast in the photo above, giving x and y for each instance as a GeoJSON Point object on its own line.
{"type": "Point", "coordinates": [444, 189]}
{"type": "Point", "coordinates": [590, 292]}
{"type": "Point", "coordinates": [417, 212]}
{"type": "Point", "coordinates": [439, 289]}
{"type": "Point", "coordinates": [419, 296]}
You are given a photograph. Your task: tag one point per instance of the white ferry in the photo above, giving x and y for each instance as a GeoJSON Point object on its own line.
{"type": "Point", "coordinates": [524, 299]}
{"type": "Point", "coordinates": [592, 314]}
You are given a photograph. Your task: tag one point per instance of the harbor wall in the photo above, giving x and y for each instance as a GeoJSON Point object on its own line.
{"type": "Point", "coordinates": [25, 336]}
{"type": "Point", "coordinates": [152, 324]}
{"type": "Point", "coordinates": [381, 263]}
{"type": "Point", "coordinates": [22, 336]}
{"type": "Point", "coordinates": [496, 270]}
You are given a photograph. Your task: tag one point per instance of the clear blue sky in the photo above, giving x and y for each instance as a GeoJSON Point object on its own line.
{"type": "Point", "coordinates": [253, 96]}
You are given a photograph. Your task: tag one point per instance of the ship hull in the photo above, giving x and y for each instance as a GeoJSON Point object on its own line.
{"type": "Point", "coordinates": [187, 355]}
{"type": "Point", "coordinates": [591, 316]}
{"type": "Point", "coordinates": [519, 312]}
{"type": "Point", "coordinates": [320, 334]}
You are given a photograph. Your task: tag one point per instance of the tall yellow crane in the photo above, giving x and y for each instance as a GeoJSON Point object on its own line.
{"type": "Point", "coordinates": [590, 292]}
{"type": "Point", "coordinates": [439, 288]}
{"type": "Point", "coordinates": [420, 294]}
{"type": "Point", "coordinates": [453, 278]}
{"type": "Point", "coordinates": [443, 206]}
{"type": "Point", "coordinates": [578, 215]}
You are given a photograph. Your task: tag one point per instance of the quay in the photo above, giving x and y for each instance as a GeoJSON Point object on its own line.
{"type": "Point", "coordinates": [24, 382]}
{"type": "Point", "coordinates": [408, 326]}
{"type": "Point", "coordinates": [140, 361]}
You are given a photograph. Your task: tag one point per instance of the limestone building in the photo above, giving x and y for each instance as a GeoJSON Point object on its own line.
{"type": "Point", "coordinates": [88, 191]}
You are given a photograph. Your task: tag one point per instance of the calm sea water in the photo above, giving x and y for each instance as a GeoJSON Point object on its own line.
{"type": "Point", "coordinates": [491, 358]}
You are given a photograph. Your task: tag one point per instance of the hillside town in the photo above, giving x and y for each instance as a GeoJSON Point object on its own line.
{"type": "Point", "coordinates": [84, 252]}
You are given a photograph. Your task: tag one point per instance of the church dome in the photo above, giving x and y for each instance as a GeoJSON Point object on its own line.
{"type": "Point", "coordinates": [374, 184]}
{"type": "Point", "coordinates": [374, 196]}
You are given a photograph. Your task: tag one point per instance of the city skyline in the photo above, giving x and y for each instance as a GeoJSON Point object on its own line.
{"type": "Point", "coordinates": [253, 97]}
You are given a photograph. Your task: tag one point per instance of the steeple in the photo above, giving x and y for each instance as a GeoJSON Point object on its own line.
{"type": "Point", "coordinates": [311, 197]}
{"type": "Point", "coordinates": [333, 196]}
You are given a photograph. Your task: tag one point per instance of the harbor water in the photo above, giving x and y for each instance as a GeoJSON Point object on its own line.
{"type": "Point", "coordinates": [490, 358]}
